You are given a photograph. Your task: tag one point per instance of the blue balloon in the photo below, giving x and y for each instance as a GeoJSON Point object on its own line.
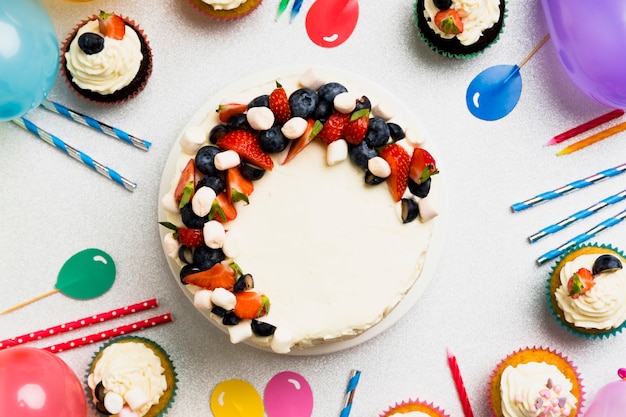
{"type": "Point", "coordinates": [29, 56]}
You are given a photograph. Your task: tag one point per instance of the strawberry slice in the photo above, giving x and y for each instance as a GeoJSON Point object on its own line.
{"type": "Point", "coordinates": [580, 283]}
{"type": "Point", "coordinates": [355, 130]}
{"type": "Point", "coordinates": [186, 184]}
{"type": "Point", "coordinates": [238, 188]}
{"type": "Point", "coordinates": [191, 238]}
{"type": "Point", "coordinates": [449, 22]}
{"type": "Point", "coordinates": [312, 129]}
{"type": "Point", "coordinates": [111, 25]}
{"type": "Point", "coordinates": [246, 145]}
{"type": "Point", "coordinates": [218, 276]}
{"type": "Point", "coordinates": [333, 128]}
{"type": "Point", "coordinates": [423, 165]}
{"type": "Point", "coordinates": [279, 104]}
{"type": "Point", "coordinates": [251, 305]}
{"type": "Point", "coordinates": [227, 110]}
{"type": "Point", "coordinates": [398, 159]}
{"type": "Point", "coordinates": [223, 210]}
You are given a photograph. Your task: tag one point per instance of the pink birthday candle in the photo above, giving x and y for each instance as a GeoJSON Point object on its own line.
{"type": "Point", "coordinates": [460, 386]}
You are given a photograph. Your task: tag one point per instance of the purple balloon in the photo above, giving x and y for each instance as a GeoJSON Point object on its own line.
{"type": "Point", "coordinates": [590, 40]}
{"type": "Point", "coordinates": [610, 401]}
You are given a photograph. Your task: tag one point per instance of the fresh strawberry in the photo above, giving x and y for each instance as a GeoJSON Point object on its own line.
{"type": "Point", "coordinates": [312, 129]}
{"type": "Point", "coordinates": [398, 159]}
{"type": "Point", "coordinates": [223, 209]}
{"type": "Point", "coordinates": [186, 184]}
{"type": "Point", "coordinates": [227, 110]}
{"type": "Point", "coordinates": [238, 188]}
{"type": "Point", "coordinates": [246, 145]}
{"type": "Point", "coordinates": [279, 104]}
{"type": "Point", "coordinates": [111, 25]}
{"type": "Point", "coordinates": [251, 305]}
{"type": "Point", "coordinates": [191, 238]}
{"type": "Point", "coordinates": [333, 128]}
{"type": "Point", "coordinates": [218, 276]}
{"type": "Point", "coordinates": [423, 165]}
{"type": "Point", "coordinates": [449, 21]}
{"type": "Point", "coordinates": [580, 283]}
{"type": "Point", "coordinates": [355, 130]}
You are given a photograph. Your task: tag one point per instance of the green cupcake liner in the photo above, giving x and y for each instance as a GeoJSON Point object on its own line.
{"type": "Point", "coordinates": [153, 345]}
{"type": "Point", "coordinates": [598, 334]}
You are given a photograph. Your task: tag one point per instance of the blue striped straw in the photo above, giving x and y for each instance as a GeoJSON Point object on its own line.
{"type": "Point", "coordinates": [576, 185]}
{"type": "Point", "coordinates": [75, 153]}
{"type": "Point", "coordinates": [352, 383]}
{"type": "Point", "coordinates": [93, 123]}
{"type": "Point", "coordinates": [611, 221]}
{"type": "Point", "coordinates": [582, 214]}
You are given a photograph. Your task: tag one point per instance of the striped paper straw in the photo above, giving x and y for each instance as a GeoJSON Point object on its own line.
{"type": "Point", "coordinates": [75, 153]}
{"type": "Point", "coordinates": [80, 323]}
{"type": "Point", "coordinates": [108, 334]}
{"type": "Point", "coordinates": [576, 185]}
{"type": "Point", "coordinates": [99, 126]}
{"type": "Point", "coordinates": [610, 222]}
{"type": "Point", "coordinates": [349, 396]}
{"type": "Point", "coordinates": [582, 214]}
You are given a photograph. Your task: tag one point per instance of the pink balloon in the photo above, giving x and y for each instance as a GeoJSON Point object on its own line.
{"type": "Point", "coordinates": [37, 383]}
{"type": "Point", "coordinates": [610, 401]}
{"type": "Point", "coordinates": [589, 38]}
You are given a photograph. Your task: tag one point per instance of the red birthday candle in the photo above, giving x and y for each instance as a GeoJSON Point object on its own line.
{"type": "Point", "coordinates": [586, 126]}
{"type": "Point", "coordinates": [460, 386]}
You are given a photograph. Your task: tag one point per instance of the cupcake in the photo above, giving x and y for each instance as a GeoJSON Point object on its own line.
{"type": "Point", "coordinates": [226, 9]}
{"type": "Point", "coordinates": [107, 59]}
{"type": "Point", "coordinates": [132, 377]}
{"type": "Point", "coordinates": [587, 290]}
{"type": "Point", "coordinates": [535, 382]}
{"type": "Point", "coordinates": [414, 408]}
{"type": "Point", "coordinates": [459, 28]}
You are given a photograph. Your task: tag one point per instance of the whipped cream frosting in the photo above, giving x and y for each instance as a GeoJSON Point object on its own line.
{"type": "Point", "coordinates": [414, 414]}
{"type": "Point", "coordinates": [224, 4]}
{"type": "Point", "coordinates": [477, 16]}
{"type": "Point", "coordinates": [603, 307]}
{"type": "Point", "coordinates": [127, 366]}
{"type": "Point", "coordinates": [536, 389]}
{"type": "Point", "coordinates": [109, 70]}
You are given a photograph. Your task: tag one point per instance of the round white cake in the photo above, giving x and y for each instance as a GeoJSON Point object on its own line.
{"type": "Point", "coordinates": [332, 254]}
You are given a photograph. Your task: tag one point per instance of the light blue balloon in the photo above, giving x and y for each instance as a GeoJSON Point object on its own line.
{"type": "Point", "coordinates": [29, 56]}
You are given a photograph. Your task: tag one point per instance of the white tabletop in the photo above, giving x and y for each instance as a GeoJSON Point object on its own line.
{"type": "Point", "coordinates": [487, 297]}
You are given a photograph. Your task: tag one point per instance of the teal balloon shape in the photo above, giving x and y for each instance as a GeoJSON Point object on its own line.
{"type": "Point", "coordinates": [29, 56]}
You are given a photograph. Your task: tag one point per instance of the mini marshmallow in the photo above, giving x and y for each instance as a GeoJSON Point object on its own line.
{"type": "Point", "coordinates": [171, 245]}
{"type": "Point", "coordinates": [202, 300]}
{"type": "Point", "coordinates": [336, 152]}
{"type": "Point", "coordinates": [227, 159]}
{"type": "Point", "coordinates": [294, 127]}
{"type": "Point", "coordinates": [214, 234]}
{"type": "Point", "coordinates": [406, 146]}
{"type": "Point", "coordinates": [169, 204]}
{"type": "Point", "coordinates": [383, 111]}
{"type": "Point", "coordinates": [344, 103]}
{"type": "Point", "coordinates": [414, 137]}
{"type": "Point", "coordinates": [221, 297]}
{"type": "Point", "coordinates": [136, 398]}
{"type": "Point", "coordinates": [127, 412]}
{"type": "Point", "coordinates": [193, 138]}
{"type": "Point", "coordinates": [260, 118]}
{"type": "Point", "coordinates": [312, 79]}
{"type": "Point", "coordinates": [113, 402]}
{"type": "Point", "coordinates": [379, 167]}
{"type": "Point", "coordinates": [281, 340]}
{"type": "Point", "coordinates": [202, 201]}
{"type": "Point", "coordinates": [231, 245]}
{"type": "Point", "coordinates": [240, 331]}
{"type": "Point", "coordinates": [428, 211]}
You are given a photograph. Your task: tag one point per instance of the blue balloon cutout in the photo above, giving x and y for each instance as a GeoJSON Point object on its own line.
{"type": "Point", "coordinates": [494, 93]}
{"type": "Point", "coordinates": [29, 56]}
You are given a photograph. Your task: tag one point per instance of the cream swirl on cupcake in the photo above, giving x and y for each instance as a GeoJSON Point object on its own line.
{"type": "Point", "coordinates": [109, 70]}
{"type": "Point", "coordinates": [224, 4]}
{"type": "Point", "coordinates": [477, 16]}
{"type": "Point", "coordinates": [536, 389]}
{"type": "Point", "coordinates": [603, 306]}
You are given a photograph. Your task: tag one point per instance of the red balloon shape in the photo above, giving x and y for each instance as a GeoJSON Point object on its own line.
{"type": "Point", "coordinates": [330, 23]}
{"type": "Point", "coordinates": [37, 383]}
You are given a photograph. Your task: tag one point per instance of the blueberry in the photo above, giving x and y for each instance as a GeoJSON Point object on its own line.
{"type": "Point", "coordinates": [186, 270]}
{"type": "Point", "coordinates": [272, 140]}
{"type": "Point", "coordinates": [323, 110]}
{"type": "Point", "coordinates": [419, 190]}
{"type": "Point", "coordinates": [99, 392]}
{"type": "Point", "coordinates": [410, 210]}
{"type": "Point", "coordinates": [260, 101]}
{"type": "Point", "coordinates": [251, 172]}
{"type": "Point", "coordinates": [361, 153]}
{"type": "Point", "coordinates": [230, 319]}
{"type": "Point", "coordinates": [442, 4]}
{"type": "Point", "coordinates": [91, 43]}
{"type": "Point", "coordinates": [217, 132]}
{"type": "Point", "coordinates": [205, 159]}
{"type": "Point", "coordinates": [262, 329]}
{"type": "Point", "coordinates": [363, 103]}
{"type": "Point", "coordinates": [191, 219]}
{"type": "Point", "coordinates": [303, 102]}
{"type": "Point", "coordinates": [185, 254]}
{"type": "Point", "coordinates": [377, 133]}
{"type": "Point", "coordinates": [606, 263]}
{"type": "Point", "coordinates": [216, 182]}
{"type": "Point", "coordinates": [329, 91]}
{"type": "Point", "coordinates": [395, 131]}
{"type": "Point", "coordinates": [205, 257]}
{"type": "Point", "coordinates": [239, 121]}
{"type": "Point", "coordinates": [371, 179]}
{"type": "Point", "coordinates": [243, 283]}
{"type": "Point", "coordinates": [219, 311]}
